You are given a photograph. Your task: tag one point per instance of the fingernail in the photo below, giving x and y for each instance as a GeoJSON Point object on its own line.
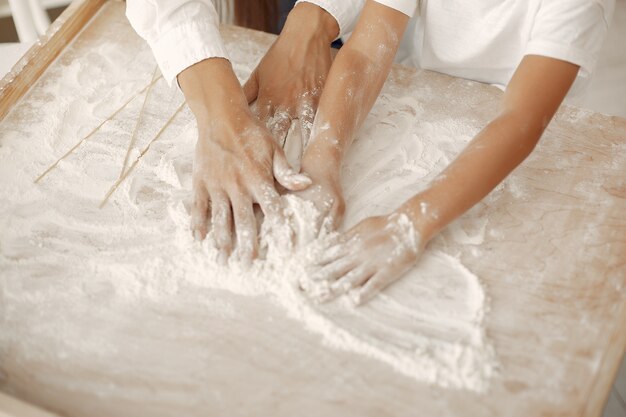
{"type": "Point", "coordinates": [301, 179]}
{"type": "Point", "coordinates": [197, 236]}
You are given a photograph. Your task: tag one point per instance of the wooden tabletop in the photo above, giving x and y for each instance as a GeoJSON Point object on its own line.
{"type": "Point", "coordinates": [553, 262]}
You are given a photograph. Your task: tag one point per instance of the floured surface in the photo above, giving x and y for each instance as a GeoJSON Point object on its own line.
{"type": "Point", "coordinates": [428, 327]}
{"type": "Point", "coordinates": [118, 309]}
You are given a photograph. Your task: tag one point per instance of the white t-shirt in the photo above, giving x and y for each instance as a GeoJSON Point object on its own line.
{"type": "Point", "coordinates": [482, 40]}
{"type": "Point", "coordinates": [485, 40]}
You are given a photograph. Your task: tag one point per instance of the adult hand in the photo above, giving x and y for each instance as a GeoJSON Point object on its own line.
{"type": "Point", "coordinates": [288, 81]}
{"type": "Point", "coordinates": [366, 259]}
{"type": "Point", "coordinates": [236, 161]}
{"type": "Point", "coordinates": [323, 165]}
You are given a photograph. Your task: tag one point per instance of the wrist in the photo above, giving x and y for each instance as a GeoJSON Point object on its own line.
{"type": "Point", "coordinates": [309, 19]}
{"type": "Point", "coordinates": [423, 216]}
{"type": "Point", "coordinates": [213, 91]}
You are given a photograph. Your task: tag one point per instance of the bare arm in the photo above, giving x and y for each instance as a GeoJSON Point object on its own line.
{"type": "Point", "coordinates": [379, 250]}
{"type": "Point", "coordinates": [236, 160]}
{"type": "Point", "coordinates": [530, 101]}
{"type": "Point", "coordinates": [354, 82]}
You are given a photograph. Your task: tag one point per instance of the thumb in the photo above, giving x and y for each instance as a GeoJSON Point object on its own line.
{"type": "Point", "coordinates": [286, 175]}
{"type": "Point", "coordinates": [251, 87]}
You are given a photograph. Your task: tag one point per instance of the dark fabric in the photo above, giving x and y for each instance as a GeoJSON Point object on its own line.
{"type": "Point", "coordinates": [285, 7]}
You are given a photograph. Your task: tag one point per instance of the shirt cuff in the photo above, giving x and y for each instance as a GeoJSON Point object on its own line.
{"type": "Point", "coordinates": [405, 6]}
{"type": "Point", "coordinates": [345, 15]}
{"type": "Point", "coordinates": [183, 46]}
{"type": "Point", "coordinates": [567, 53]}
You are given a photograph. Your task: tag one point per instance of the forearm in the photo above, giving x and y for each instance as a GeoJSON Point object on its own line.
{"type": "Point", "coordinates": [533, 96]}
{"type": "Point", "coordinates": [489, 158]}
{"type": "Point", "coordinates": [354, 82]}
{"type": "Point", "coordinates": [307, 19]}
{"type": "Point", "coordinates": [211, 90]}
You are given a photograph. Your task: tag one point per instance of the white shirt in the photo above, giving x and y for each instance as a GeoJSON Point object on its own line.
{"type": "Point", "coordinates": [482, 40]}
{"type": "Point", "coordinates": [179, 32]}
{"type": "Point", "coordinates": [485, 40]}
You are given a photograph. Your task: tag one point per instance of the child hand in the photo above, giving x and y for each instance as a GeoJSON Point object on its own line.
{"type": "Point", "coordinates": [366, 259]}
{"type": "Point", "coordinates": [325, 193]}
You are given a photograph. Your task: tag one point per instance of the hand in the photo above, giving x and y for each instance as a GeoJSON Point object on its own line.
{"type": "Point", "coordinates": [366, 259]}
{"type": "Point", "coordinates": [235, 163]}
{"type": "Point", "coordinates": [323, 165]}
{"type": "Point", "coordinates": [234, 168]}
{"type": "Point", "coordinates": [325, 193]}
{"type": "Point", "coordinates": [289, 80]}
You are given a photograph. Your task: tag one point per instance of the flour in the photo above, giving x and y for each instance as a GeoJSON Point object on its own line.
{"type": "Point", "coordinates": [55, 243]}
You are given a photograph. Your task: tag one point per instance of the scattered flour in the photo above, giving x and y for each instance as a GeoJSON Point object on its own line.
{"type": "Point", "coordinates": [428, 326]}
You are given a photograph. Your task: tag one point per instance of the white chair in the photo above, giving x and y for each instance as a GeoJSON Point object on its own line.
{"type": "Point", "coordinates": [30, 18]}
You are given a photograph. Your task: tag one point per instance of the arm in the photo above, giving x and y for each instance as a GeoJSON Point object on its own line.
{"type": "Point", "coordinates": [532, 97]}
{"type": "Point", "coordinates": [353, 84]}
{"type": "Point", "coordinates": [236, 158]}
{"type": "Point", "coordinates": [288, 81]}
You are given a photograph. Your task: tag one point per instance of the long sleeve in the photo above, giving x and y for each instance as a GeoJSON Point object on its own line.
{"type": "Point", "coordinates": [179, 32]}
{"type": "Point", "coordinates": [345, 12]}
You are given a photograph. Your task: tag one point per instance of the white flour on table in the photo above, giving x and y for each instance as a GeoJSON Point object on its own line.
{"type": "Point", "coordinates": [428, 326]}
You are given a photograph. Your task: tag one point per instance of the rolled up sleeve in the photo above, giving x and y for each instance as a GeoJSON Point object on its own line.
{"type": "Point", "coordinates": [179, 32]}
{"type": "Point", "coordinates": [404, 6]}
{"type": "Point", "coordinates": [345, 12]}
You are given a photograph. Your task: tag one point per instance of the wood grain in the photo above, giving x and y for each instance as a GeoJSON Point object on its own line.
{"type": "Point", "coordinates": [28, 69]}
{"type": "Point", "coordinates": [11, 407]}
{"type": "Point", "coordinates": [553, 262]}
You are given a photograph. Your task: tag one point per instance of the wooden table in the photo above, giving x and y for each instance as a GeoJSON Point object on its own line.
{"type": "Point", "coordinates": [553, 262]}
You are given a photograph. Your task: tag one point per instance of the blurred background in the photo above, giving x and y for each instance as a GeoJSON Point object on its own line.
{"type": "Point", "coordinates": [22, 21]}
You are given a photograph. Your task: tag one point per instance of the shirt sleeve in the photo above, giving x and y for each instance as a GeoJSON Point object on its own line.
{"type": "Point", "coordinates": [405, 6]}
{"type": "Point", "coordinates": [345, 12]}
{"type": "Point", "coordinates": [179, 32]}
{"type": "Point", "coordinates": [572, 31]}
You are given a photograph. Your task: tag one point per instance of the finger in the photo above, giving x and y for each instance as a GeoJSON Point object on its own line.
{"type": "Point", "coordinates": [306, 114]}
{"type": "Point", "coordinates": [351, 280]}
{"type": "Point", "coordinates": [245, 226]}
{"type": "Point", "coordinates": [251, 87]}
{"type": "Point", "coordinates": [335, 270]}
{"type": "Point", "coordinates": [337, 212]}
{"type": "Point", "coordinates": [372, 287]}
{"type": "Point", "coordinates": [332, 254]}
{"type": "Point", "coordinates": [199, 211]}
{"type": "Point", "coordinates": [262, 109]}
{"type": "Point", "coordinates": [287, 176]}
{"type": "Point", "coordinates": [333, 219]}
{"type": "Point", "coordinates": [221, 217]}
{"type": "Point", "coordinates": [279, 125]}
{"type": "Point", "coordinates": [270, 202]}
{"type": "Point", "coordinates": [319, 291]}
{"type": "Point", "coordinates": [352, 236]}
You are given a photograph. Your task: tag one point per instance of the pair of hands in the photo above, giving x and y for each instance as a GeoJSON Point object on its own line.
{"type": "Point", "coordinates": [239, 156]}
{"type": "Point", "coordinates": [239, 152]}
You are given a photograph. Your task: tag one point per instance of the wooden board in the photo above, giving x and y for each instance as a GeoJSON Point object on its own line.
{"type": "Point", "coordinates": [28, 69]}
{"type": "Point", "coordinates": [553, 262]}
{"type": "Point", "coordinates": [12, 407]}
